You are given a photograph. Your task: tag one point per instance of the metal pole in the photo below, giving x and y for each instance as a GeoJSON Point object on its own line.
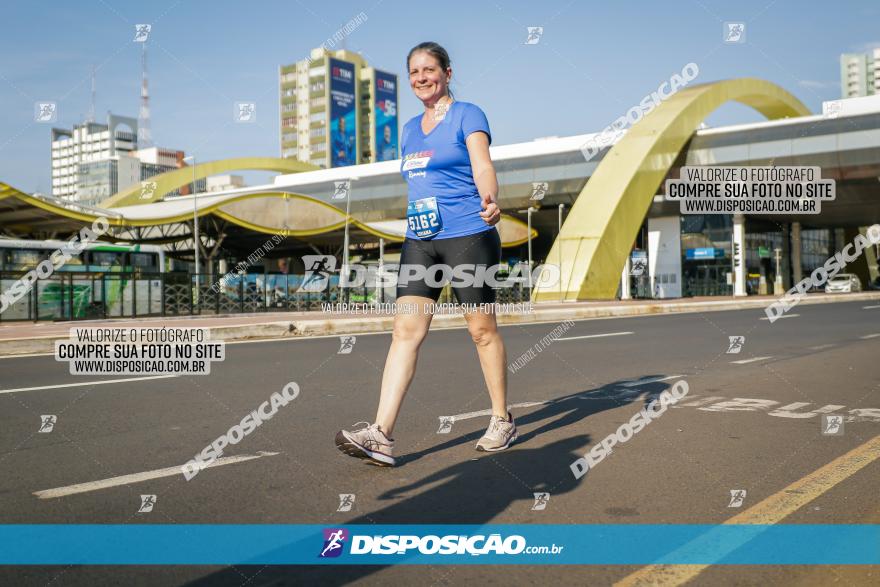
{"type": "Point", "coordinates": [559, 242]}
{"type": "Point", "coordinates": [344, 273]}
{"type": "Point", "coordinates": [380, 276]}
{"type": "Point", "coordinates": [195, 219]}
{"type": "Point", "coordinates": [529, 215]}
{"type": "Point", "coordinates": [777, 281]}
{"type": "Point", "coordinates": [195, 230]}
{"type": "Point", "coordinates": [625, 292]}
{"type": "Point", "coordinates": [739, 255]}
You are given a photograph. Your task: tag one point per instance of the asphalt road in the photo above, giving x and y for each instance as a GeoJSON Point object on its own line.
{"type": "Point", "coordinates": [680, 469]}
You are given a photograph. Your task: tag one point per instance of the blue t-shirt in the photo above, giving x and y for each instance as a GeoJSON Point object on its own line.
{"type": "Point", "coordinates": [438, 165]}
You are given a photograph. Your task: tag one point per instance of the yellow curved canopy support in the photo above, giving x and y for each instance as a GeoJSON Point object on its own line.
{"type": "Point", "coordinates": [598, 233]}
{"type": "Point", "coordinates": [287, 214]}
{"type": "Point", "coordinates": [172, 180]}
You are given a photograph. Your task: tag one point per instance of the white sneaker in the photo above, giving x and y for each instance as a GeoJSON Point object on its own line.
{"type": "Point", "coordinates": [499, 435]}
{"type": "Point", "coordinates": [368, 443]}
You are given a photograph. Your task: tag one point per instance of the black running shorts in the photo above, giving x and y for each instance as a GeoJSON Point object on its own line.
{"type": "Point", "coordinates": [480, 250]}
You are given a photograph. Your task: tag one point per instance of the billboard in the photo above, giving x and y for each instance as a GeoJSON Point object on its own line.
{"type": "Point", "coordinates": [385, 115]}
{"type": "Point", "coordinates": [703, 253]}
{"type": "Point", "coordinates": [343, 112]}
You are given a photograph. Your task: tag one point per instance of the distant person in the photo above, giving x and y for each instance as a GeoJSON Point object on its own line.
{"type": "Point", "coordinates": [343, 149]}
{"type": "Point", "coordinates": [387, 151]}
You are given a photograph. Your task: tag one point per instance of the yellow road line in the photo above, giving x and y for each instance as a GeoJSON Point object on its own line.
{"type": "Point", "coordinates": [769, 511]}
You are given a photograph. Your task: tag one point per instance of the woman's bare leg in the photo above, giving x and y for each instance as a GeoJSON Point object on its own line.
{"type": "Point", "coordinates": [493, 357]}
{"type": "Point", "coordinates": [409, 331]}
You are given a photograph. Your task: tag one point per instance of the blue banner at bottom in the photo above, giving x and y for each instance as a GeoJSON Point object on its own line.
{"type": "Point", "coordinates": [619, 544]}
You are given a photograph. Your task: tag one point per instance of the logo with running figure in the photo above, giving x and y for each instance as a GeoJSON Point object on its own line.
{"type": "Point", "coordinates": [735, 344]}
{"type": "Point", "coordinates": [148, 502]}
{"type": "Point", "coordinates": [45, 111]}
{"type": "Point", "coordinates": [318, 271]}
{"type": "Point", "coordinates": [831, 109]}
{"type": "Point", "coordinates": [533, 35]}
{"type": "Point", "coordinates": [446, 423]}
{"type": "Point", "coordinates": [148, 188]}
{"type": "Point", "coordinates": [832, 425]}
{"type": "Point", "coordinates": [245, 112]}
{"type": "Point", "coordinates": [541, 501]}
{"type": "Point", "coordinates": [737, 497]}
{"type": "Point", "coordinates": [346, 502]}
{"type": "Point", "coordinates": [346, 345]}
{"type": "Point", "coordinates": [341, 189]}
{"type": "Point", "coordinates": [47, 423]}
{"type": "Point", "coordinates": [539, 190]}
{"type": "Point", "coordinates": [334, 539]}
{"type": "Point", "coordinates": [638, 266]}
{"type": "Point", "coordinates": [734, 32]}
{"type": "Point", "coordinates": [142, 32]}
{"type": "Point", "coordinates": [440, 110]}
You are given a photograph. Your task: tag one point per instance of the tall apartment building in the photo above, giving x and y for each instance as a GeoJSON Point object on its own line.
{"type": "Point", "coordinates": [91, 162]}
{"type": "Point", "coordinates": [860, 74]}
{"type": "Point", "coordinates": [336, 110]}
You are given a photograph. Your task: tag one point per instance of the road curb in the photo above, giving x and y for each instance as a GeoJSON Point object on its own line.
{"type": "Point", "coordinates": [364, 324]}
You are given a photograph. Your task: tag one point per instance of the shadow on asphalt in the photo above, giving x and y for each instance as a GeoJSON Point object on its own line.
{"type": "Point", "coordinates": [469, 492]}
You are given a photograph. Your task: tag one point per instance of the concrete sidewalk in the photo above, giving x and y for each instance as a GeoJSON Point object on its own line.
{"type": "Point", "coordinates": [17, 338]}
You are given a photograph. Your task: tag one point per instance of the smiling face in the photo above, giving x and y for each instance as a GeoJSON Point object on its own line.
{"type": "Point", "coordinates": [427, 79]}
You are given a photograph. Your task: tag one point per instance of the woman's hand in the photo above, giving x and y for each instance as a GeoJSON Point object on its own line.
{"type": "Point", "coordinates": [491, 213]}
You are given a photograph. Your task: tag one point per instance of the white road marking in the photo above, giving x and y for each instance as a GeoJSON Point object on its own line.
{"type": "Point", "coordinates": [102, 382]}
{"type": "Point", "coordinates": [27, 355]}
{"type": "Point", "coordinates": [718, 404]}
{"type": "Point", "coordinates": [819, 347]}
{"type": "Point", "coordinates": [585, 396]}
{"type": "Point", "coordinates": [647, 380]}
{"type": "Point", "coordinates": [594, 335]}
{"type": "Point", "coordinates": [783, 316]}
{"type": "Point", "coordinates": [700, 402]}
{"type": "Point", "coordinates": [138, 477]}
{"type": "Point", "coordinates": [752, 360]}
{"type": "Point", "coordinates": [870, 307]}
{"type": "Point", "coordinates": [468, 415]}
{"type": "Point", "coordinates": [867, 336]}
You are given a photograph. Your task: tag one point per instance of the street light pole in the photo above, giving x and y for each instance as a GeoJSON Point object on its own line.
{"type": "Point", "coordinates": [380, 277]}
{"type": "Point", "coordinates": [529, 217]}
{"type": "Point", "coordinates": [528, 212]}
{"type": "Point", "coordinates": [195, 231]}
{"type": "Point", "coordinates": [345, 243]}
{"type": "Point", "coordinates": [559, 242]}
{"type": "Point", "coordinates": [195, 216]}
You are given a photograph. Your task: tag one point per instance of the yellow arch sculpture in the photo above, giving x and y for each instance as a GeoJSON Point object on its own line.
{"type": "Point", "coordinates": [598, 233]}
{"type": "Point", "coordinates": [172, 180]}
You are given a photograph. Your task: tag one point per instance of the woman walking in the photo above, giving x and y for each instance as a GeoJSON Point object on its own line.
{"type": "Point", "coordinates": [452, 213]}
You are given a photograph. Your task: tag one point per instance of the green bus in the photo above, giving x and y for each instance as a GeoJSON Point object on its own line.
{"type": "Point", "coordinates": [104, 279]}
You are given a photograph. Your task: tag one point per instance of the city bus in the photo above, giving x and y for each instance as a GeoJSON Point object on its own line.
{"type": "Point", "coordinates": [24, 255]}
{"type": "Point", "coordinates": [104, 279]}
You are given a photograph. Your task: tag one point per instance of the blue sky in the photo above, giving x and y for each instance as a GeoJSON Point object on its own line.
{"type": "Point", "coordinates": [594, 61]}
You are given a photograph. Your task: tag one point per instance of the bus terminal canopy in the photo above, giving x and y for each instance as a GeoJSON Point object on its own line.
{"type": "Point", "coordinates": [242, 219]}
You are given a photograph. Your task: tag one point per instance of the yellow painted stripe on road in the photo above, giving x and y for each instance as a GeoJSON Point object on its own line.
{"type": "Point", "coordinates": [769, 511]}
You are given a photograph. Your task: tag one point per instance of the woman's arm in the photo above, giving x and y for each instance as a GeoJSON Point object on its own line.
{"type": "Point", "coordinates": [484, 176]}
